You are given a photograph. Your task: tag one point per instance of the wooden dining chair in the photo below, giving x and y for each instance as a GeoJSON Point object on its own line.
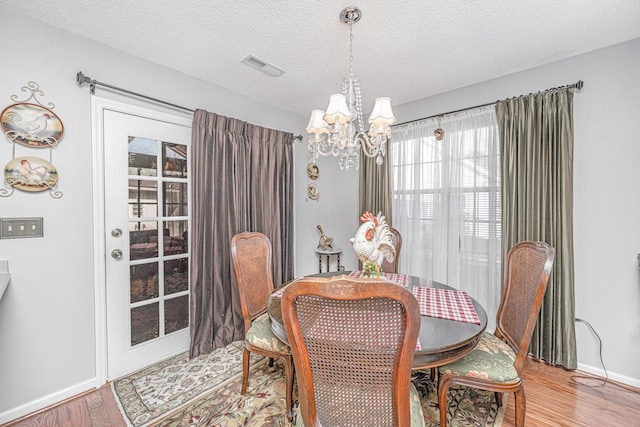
{"type": "Point", "coordinates": [392, 267]}
{"type": "Point", "coordinates": [496, 364]}
{"type": "Point", "coordinates": [353, 342]}
{"type": "Point", "coordinates": [251, 254]}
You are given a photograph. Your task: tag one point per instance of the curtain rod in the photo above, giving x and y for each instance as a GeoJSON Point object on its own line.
{"type": "Point", "coordinates": [578, 85]}
{"type": "Point", "coordinates": [82, 79]}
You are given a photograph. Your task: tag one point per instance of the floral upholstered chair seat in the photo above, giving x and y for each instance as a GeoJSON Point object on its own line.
{"type": "Point", "coordinates": [492, 359]}
{"type": "Point", "coordinates": [260, 335]}
{"type": "Point", "coordinates": [417, 416]}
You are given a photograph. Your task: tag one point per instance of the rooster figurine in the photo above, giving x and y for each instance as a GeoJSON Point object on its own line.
{"type": "Point", "coordinates": [373, 243]}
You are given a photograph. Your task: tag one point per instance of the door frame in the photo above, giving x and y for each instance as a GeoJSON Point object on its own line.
{"type": "Point", "coordinates": [98, 107]}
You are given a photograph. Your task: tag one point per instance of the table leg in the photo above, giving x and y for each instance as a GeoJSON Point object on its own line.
{"type": "Point", "coordinates": [319, 263]}
{"type": "Point", "coordinates": [339, 262]}
{"type": "Point", "coordinates": [328, 264]}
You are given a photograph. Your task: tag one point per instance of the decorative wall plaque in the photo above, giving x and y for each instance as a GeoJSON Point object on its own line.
{"type": "Point", "coordinates": [32, 125]}
{"type": "Point", "coordinates": [30, 174]}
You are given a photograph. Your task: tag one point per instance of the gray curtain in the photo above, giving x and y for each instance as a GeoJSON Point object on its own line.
{"type": "Point", "coordinates": [242, 181]}
{"type": "Point", "coordinates": [536, 133]}
{"type": "Point", "coordinates": [375, 187]}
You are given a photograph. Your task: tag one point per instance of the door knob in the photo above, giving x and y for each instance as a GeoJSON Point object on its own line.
{"type": "Point", "coordinates": [116, 232]}
{"type": "Point", "coordinates": [116, 253]}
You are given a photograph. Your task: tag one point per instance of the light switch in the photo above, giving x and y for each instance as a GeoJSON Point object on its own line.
{"type": "Point", "coordinates": [16, 228]}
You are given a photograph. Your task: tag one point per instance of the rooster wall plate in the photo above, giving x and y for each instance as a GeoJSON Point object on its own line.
{"type": "Point", "coordinates": [31, 125]}
{"type": "Point", "coordinates": [30, 174]}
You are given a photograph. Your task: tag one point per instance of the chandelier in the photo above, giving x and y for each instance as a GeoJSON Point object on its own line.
{"type": "Point", "coordinates": [339, 130]}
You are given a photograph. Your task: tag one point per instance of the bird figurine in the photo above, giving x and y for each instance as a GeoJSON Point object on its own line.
{"type": "Point", "coordinates": [373, 243]}
{"type": "Point", "coordinates": [325, 243]}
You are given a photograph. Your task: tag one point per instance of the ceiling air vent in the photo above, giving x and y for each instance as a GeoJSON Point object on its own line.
{"type": "Point", "coordinates": [259, 64]}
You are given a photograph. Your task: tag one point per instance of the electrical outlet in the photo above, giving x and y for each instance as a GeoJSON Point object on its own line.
{"type": "Point", "coordinates": [17, 228]}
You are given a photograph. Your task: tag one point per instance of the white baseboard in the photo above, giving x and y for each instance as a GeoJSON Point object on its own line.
{"type": "Point", "coordinates": [634, 382]}
{"type": "Point", "coordinates": [46, 401]}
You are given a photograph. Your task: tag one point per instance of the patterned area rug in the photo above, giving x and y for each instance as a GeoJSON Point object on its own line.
{"type": "Point", "coordinates": [263, 404]}
{"type": "Point", "coordinates": [156, 391]}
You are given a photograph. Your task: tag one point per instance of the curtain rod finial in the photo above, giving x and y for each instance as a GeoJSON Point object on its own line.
{"type": "Point", "coordinates": [82, 79]}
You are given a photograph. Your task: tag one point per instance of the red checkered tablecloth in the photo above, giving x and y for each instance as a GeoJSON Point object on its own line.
{"type": "Point", "coordinates": [446, 304]}
{"type": "Point", "coordinates": [400, 279]}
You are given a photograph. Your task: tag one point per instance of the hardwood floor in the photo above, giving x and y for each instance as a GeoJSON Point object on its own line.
{"type": "Point", "coordinates": [97, 409]}
{"type": "Point", "coordinates": [555, 397]}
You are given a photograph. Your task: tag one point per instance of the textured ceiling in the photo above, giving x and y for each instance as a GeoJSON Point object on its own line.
{"type": "Point", "coordinates": [403, 49]}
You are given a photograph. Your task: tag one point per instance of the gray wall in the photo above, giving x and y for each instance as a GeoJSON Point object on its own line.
{"type": "Point", "coordinates": [47, 349]}
{"type": "Point", "coordinates": [606, 202]}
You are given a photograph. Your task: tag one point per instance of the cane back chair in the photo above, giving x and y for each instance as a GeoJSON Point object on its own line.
{"type": "Point", "coordinates": [353, 342]}
{"type": "Point", "coordinates": [496, 364]}
{"type": "Point", "coordinates": [251, 254]}
{"type": "Point", "coordinates": [392, 267]}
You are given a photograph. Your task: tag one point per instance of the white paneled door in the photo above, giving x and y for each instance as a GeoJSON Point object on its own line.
{"type": "Point", "coordinates": [146, 234]}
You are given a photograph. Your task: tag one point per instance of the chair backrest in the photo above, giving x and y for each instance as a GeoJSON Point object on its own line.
{"type": "Point", "coordinates": [526, 277]}
{"type": "Point", "coordinates": [251, 255]}
{"type": "Point", "coordinates": [392, 267]}
{"type": "Point", "coordinates": [353, 342]}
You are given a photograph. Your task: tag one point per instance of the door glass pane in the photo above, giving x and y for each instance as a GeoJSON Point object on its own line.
{"type": "Point", "coordinates": [143, 239]}
{"type": "Point", "coordinates": [143, 156]}
{"type": "Point", "coordinates": [176, 275]}
{"type": "Point", "coordinates": [145, 323]}
{"type": "Point", "coordinates": [175, 198]}
{"type": "Point", "coordinates": [143, 279]}
{"type": "Point", "coordinates": [148, 224]}
{"type": "Point", "coordinates": [174, 160]}
{"type": "Point", "coordinates": [175, 237]}
{"type": "Point", "coordinates": [176, 314]}
{"type": "Point", "coordinates": [143, 198]}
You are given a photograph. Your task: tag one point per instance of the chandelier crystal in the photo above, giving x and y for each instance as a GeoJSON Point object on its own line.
{"type": "Point", "coordinates": [339, 130]}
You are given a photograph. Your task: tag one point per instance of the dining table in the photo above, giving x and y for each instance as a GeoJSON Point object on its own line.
{"type": "Point", "coordinates": [441, 340]}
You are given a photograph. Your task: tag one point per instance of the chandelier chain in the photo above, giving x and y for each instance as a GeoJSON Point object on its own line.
{"type": "Point", "coordinates": [351, 47]}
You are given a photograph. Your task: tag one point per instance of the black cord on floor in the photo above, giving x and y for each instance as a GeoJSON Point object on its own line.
{"type": "Point", "coordinates": [606, 375]}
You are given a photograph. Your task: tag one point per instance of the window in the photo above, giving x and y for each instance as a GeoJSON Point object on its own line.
{"type": "Point", "coordinates": [446, 202]}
